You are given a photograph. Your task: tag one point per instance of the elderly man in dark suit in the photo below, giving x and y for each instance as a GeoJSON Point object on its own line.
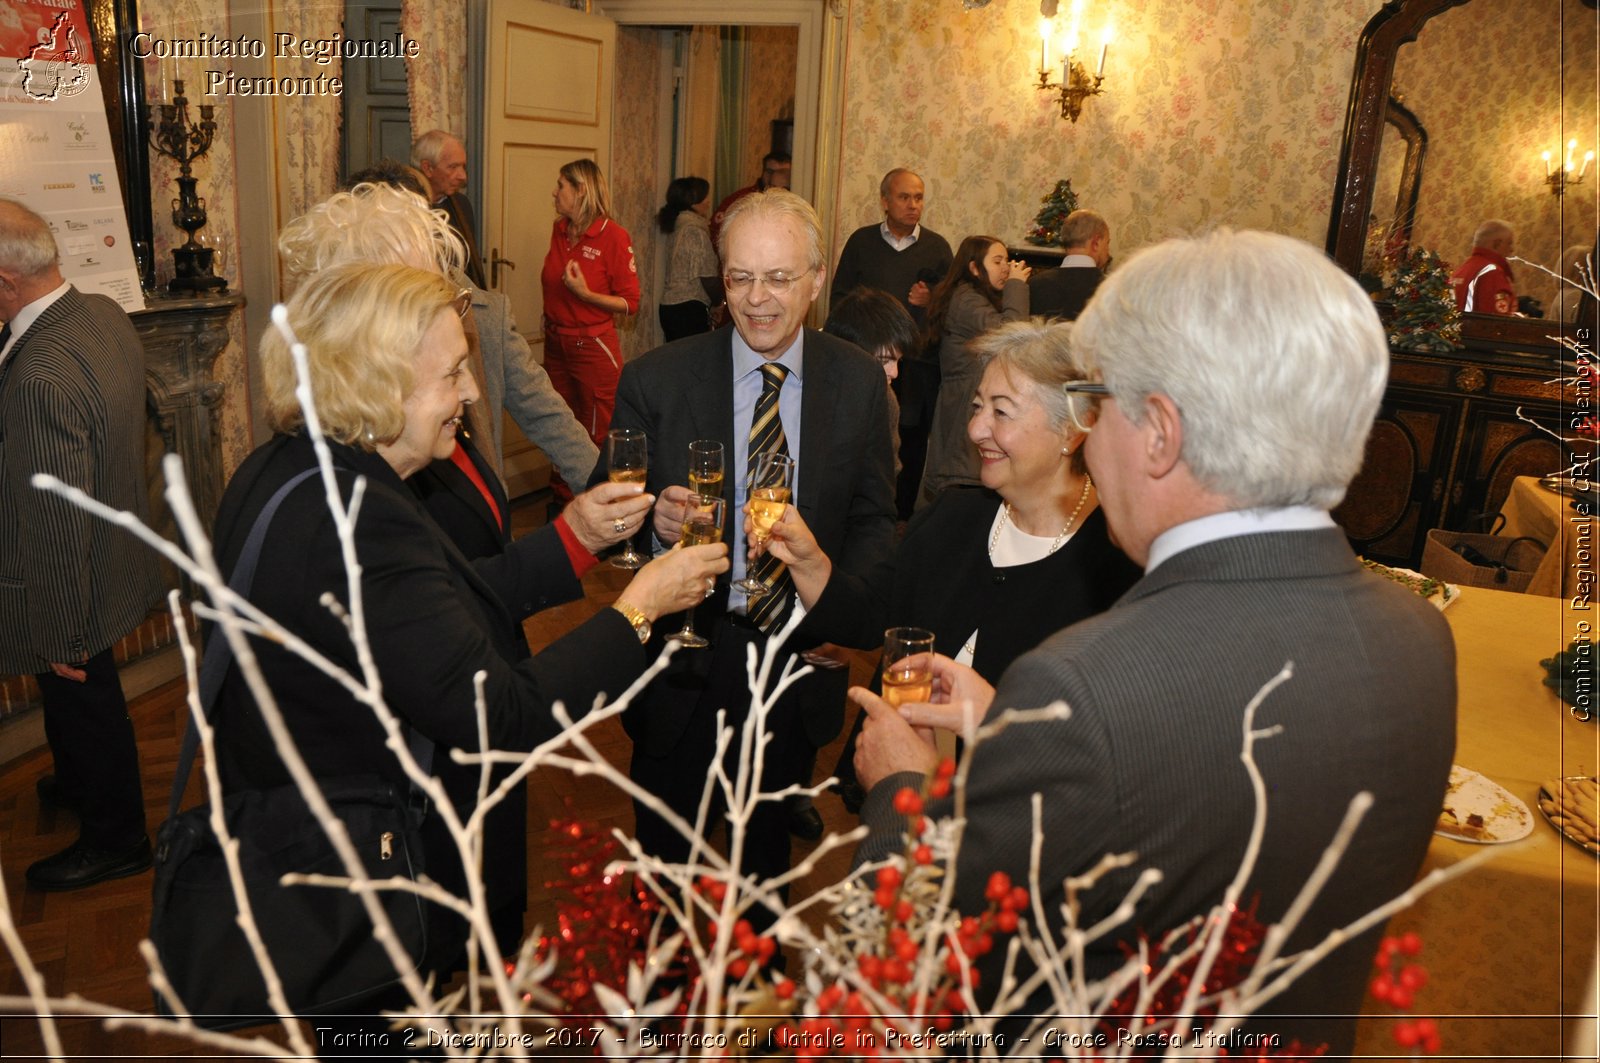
{"type": "Point", "coordinates": [442, 158]}
{"type": "Point", "coordinates": [831, 416]}
{"type": "Point", "coordinates": [1241, 373]}
{"type": "Point", "coordinates": [71, 585]}
{"type": "Point", "coordinates": [1063, 292]}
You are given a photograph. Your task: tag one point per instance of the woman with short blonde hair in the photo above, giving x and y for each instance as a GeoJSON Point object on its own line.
{"type": "Point", "coordinates": [385, 357]}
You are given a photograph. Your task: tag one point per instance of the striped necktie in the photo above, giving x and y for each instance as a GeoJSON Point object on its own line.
{"type": "Point", "coordinates": [766, 437]}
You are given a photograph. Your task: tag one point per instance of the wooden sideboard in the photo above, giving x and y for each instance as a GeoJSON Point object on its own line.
{"type": "Point", "coordinates": [1447, 444]}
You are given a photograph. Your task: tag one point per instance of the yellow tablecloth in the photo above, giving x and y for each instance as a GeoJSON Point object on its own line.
{"type": "Point", "coordinates": [1568, 566]}
{"type": "Point", "coordinates": [1511, 946]}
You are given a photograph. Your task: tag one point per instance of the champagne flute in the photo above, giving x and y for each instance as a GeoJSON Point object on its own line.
{"type": "Point", "coordinates": [628, 456]}
{"type": "Point", "coordinates": [902, 684]}
{"type": "Point", "coordinates": [702, 524]}
{"type": "Point", "coordinates": [705, 468]}
{"type": "Point", "coordinates": [769, 492]}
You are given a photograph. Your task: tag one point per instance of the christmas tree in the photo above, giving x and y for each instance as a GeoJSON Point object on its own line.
{"type": "Point", "coordinates": [1058, 203]}
{"type": "Point", "coordinates": [1423, 315]}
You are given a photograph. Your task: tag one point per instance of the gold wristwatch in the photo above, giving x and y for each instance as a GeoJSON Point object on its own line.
{"type": "Point", "coordinates": [640, 622]}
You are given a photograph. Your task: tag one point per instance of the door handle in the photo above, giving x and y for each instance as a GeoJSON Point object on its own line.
{"type": "Point", "coordinates": [495, 262]}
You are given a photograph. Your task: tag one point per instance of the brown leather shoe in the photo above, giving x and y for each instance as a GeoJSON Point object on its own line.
{"type": "Point", "coordinates": [80, 865]}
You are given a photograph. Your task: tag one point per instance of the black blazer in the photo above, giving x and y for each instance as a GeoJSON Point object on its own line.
{"type": "Point", "coordinates": [941, 578]}
{"type": "Point", "coordinates": [458, 507]}
{"type": "Point", "coordinates": [433, 619]}
{"type": "Point", "coordinates": [463, 219]}
{"type": "Point", "coordinates": [683, 392]}
{"type": "Point", "coordinates": [1062, 292]}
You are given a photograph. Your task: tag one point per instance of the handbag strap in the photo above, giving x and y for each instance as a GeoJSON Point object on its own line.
{"type": "Point", "coordinates": [219, 655]}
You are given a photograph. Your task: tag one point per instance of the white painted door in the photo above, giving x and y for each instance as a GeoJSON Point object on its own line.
{"type": "Point", "coordinates": [547, 101]}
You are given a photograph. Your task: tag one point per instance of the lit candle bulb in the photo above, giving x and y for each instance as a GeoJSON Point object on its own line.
{"type": "Point", "coordinates": [1044, 44]}
{"type": "Point", "coordinates": [1105, 45]}
{"type": "Point", "coordinates": [1588, 157]}
{"type": "Point", "coordinates": [1547, 164]}
{"type": "Point", "coordinates": [1572, 146]}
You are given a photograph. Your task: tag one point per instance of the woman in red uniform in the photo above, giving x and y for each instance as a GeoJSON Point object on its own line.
{"type": "Point", "coordinates": [589, 276]}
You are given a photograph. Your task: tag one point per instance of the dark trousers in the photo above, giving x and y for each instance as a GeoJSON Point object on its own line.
{"type": "Point", "coordinates": [678, 775]}
{"type": "Point", "coordinates": [97, 759]}
{"type": "Point", "coordinates": [684, 319]}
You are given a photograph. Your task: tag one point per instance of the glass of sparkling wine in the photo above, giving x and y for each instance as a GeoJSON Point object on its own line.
{"type": "Point", "coordinates": [628, 456]}
{"type": "Point", "coordinates": [769, 493]}
{"type": "Point", "coordinates": [903, 684]}
{"type": "Point", "coordinates": [702, 524]}
{"type": "Point", "coordinates": [705, 468]}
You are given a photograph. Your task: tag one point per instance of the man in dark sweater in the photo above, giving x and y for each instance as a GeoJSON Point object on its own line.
{"type": "Point", "coordinates": [1063, 293]}
{"type": "Point", "coordinates": [902, 258]}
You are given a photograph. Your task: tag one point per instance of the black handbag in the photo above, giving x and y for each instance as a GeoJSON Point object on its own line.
{"type": "Point", "coordinates": [320, 939]}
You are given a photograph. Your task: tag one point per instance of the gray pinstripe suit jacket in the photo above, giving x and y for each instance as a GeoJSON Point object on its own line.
{"type": "Point", "coordinates": [72, 404]}
{"type": "Point", "coordinates": [1149, 760]}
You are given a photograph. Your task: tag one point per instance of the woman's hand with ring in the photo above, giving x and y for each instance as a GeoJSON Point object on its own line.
{"type": "Point", "coordinates": [676, 580]}
{"type": "Point", "coordinates": [606, 513]}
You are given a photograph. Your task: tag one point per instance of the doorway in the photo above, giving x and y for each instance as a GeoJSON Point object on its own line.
{"type": "Point", "coordinates": [377, 112]}
{"type": "Point", "coordinates": [648, 96]}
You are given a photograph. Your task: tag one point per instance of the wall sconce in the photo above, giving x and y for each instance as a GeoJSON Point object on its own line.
{"type": "Point", "coordinates": [1076, 83]}
{"type": "Point", "coordinates": [1563, 178]}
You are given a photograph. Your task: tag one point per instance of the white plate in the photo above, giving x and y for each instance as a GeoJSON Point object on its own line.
{"type": "Point", "coordinates": [1504, 818]}
{"type": "Point", "coordinates": [1441, 601]}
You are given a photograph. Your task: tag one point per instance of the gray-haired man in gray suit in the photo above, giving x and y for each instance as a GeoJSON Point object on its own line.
{"type": "Point", "coordinates": [1238, 375]}
{"type": "Point", "coordinates": [71, 585]}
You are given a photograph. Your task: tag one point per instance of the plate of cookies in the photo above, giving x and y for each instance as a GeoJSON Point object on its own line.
{"type": "Point", "coordinates": [1479, 810]}
{"type": "Point", "coordinates": [1572, 806]}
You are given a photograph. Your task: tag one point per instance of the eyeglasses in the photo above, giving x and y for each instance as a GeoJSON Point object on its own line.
{"type": "Point", "coordinates": [1081, 423]}
{"type": "Point", "coordinates": [778, 282]}
{"type": "Point", "coordinates": [462, 302]}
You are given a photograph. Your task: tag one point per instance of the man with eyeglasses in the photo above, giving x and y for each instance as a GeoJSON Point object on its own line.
{"type": "Point", "coordinates": [1239, 375]}
{"type": "Point", "coordinates": [766, 385]}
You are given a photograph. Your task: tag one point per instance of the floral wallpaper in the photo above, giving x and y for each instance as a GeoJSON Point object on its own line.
{"type": "Point", "coordinates": [1214, 112]}
{"type": "Point", "coordinates": [636, 191]}
{"type": "Point", "coordinates": [769, 89]}
{"type": "Point", "coordinates": [1486, 133]}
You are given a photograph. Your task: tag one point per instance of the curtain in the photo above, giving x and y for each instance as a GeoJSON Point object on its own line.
{"type": "Point", "coordinates": [308, 131]}
{"type": "Point", "coordinates": [437, 86]}
{"type": "Point", "coordinates": [730, 123]}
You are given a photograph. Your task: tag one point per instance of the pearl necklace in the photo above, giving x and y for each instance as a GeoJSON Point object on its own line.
{"type": "Point", "coordinates": [1005, 514]}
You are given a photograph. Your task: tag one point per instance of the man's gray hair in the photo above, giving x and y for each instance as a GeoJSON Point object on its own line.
{"type": "Point", "coordinates": [1273, 355]}
{"type": "Point", "coordinates": [427, 147]}
{"type": "Point", "coordinates": [26, 243]}
{"type": "Point", "coordinates": [771, 204]}
{"type": "Point", "coordinates": [888, 179]}
{"type": "Point", "coordinates": [1082, 226]}
{"type": "Point", "coordinates": [373, 223]}
{"type": "Point", "coordinates": [1490, 231]}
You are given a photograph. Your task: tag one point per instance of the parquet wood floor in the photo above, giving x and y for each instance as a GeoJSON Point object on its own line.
{"type": "Point", "coordinates": [85, 942]}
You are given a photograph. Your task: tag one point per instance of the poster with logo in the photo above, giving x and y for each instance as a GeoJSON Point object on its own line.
{"type": "Point", "coordinates": [55, 144]}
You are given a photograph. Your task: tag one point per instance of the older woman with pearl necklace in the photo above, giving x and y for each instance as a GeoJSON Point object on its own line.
{"type": "Point", "coordinates": [993, 570]}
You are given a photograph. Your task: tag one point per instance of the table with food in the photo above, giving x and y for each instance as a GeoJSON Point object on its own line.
{"type": "Point", "coordinates": [1510, 947]}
